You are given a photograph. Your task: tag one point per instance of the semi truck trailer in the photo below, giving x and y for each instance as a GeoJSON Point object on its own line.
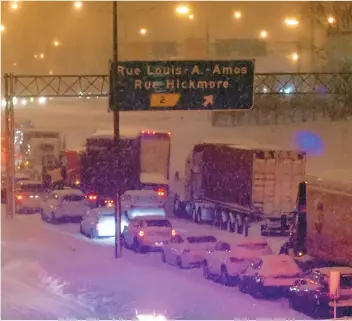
{"type": "Point", "coordinates": [224, 184]}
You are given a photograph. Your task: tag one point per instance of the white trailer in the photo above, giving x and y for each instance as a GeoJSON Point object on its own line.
{"type": "Point", "coordinates": [225, 183]}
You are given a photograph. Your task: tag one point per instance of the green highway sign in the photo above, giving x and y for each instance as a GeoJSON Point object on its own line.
{"type": "Point", "coordinates": [183, 85]}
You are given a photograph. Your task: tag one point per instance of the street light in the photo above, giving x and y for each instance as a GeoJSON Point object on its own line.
{"type": "Point", "coordinates": [237, 15]}
{"type": "Point", "coordinates": [41, 56]}
{"type": "Point", "coordinates": [56, 43]}
{"type": "Point", "coordinates": [2, 28]}
{"type": "Point", "coordinates": [263, 34]}
{"type": "Point", "coordinates": [295, 56]}
{"type": "Point", "coordinates": [14, 5]}
{"type": "Point", "coordinates": [182, 9]}
{"type": "Point", "coordinates": [78, 4]}
{"type": "Point", "coordinates": [331, 20]}
{"type": "Point", "coordinates": [191, 17]}
{"type": "Point", "coordinates": [143, 31]}
{"type": "Point", "coordinates": [292, 22]}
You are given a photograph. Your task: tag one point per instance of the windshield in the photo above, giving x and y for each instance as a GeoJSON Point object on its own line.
{"type": "Point", "coordinates": [158, 223]}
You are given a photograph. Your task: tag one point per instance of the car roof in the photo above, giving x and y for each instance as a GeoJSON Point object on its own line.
{"type": "Point", "coordinates": [103, 210]}
{"type": "Point", "coordinates": [149, 218]}
{"type": "Point", "coordinates": [194, 234]}
{"type": "Point", "coordinates": [29, 182]}
{"type": "Point", "coordinates": [21, 175]}
{"type": "Point", "coordinates": [341, 269]}
{"type": "Point", "coordinates": [68, 191]}
{"type": "Point", "coordinates": [242, 241]}
{"type": "Point", "coordinates": [140, 193]}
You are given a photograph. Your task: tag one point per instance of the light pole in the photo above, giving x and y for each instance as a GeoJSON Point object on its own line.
{"type": "Point", "coordinates": [116, 131]}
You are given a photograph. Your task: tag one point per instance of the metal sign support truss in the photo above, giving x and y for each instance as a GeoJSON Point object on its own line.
{"type": "Point", "coordinates": [31, 86]}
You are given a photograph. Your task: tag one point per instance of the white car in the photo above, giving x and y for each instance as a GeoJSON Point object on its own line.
{"type": "Point", "coordinates": [64, 204]}
{"type": "Point", "coordinates": [99, 222]}
{"type": "Point", "coordinates": [147, 232]}
{"type": "Point", "coordinates": [29, 195]}
{"type": "Point", "coordinates": [228, 260]}
{"type": "Point", "coordinates": [187, 250]}
{"type": "Point", "coordinates": [269, 274]}
{"type": "Point", "coordinates": [138, 203]}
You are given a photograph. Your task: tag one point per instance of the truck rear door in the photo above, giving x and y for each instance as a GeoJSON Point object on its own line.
{"type": "Point", "coordinates": [276, 176]}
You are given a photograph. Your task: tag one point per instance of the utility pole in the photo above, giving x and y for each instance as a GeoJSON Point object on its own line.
{"type": "Point", "coordinates": [116, 134]}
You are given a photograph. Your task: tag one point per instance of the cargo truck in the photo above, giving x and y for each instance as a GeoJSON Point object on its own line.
{"type": "Point", "coordinates": [144, 163]}
{"type": "Point", "coordinates": [224, 184]}
{"type": "Point", "coordinates": [71, 160]}
{"type": "Point", "coordinates": [323, 229]}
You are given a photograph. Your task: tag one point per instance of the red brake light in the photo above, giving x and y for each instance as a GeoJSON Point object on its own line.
{"type": "Point", "coordinates": [141, 233]}
{"type": "Point", "coordinates": [161, 192]}
{"type": "Point", "coordinates": [92, 197]}
{"type": "Point", "coordinates": [109, 202]}
{"type": "Point", "coordinates": [19, 197]}
{"type": "Point", "coordinates": [169, 133]}
{"type": "Point", "coordinates": [173, 232]}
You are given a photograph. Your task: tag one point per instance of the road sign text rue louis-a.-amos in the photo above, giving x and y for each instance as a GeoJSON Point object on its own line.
{"type": "Point", "coordinates": [184, 85]}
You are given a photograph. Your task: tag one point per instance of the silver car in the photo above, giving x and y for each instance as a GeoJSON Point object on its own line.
{"type": "Point", "coordinates": [29, 196]}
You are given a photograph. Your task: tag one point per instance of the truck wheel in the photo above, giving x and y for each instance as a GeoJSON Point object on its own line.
{"type": "Point", "coordinates": [177, 206]}
{"type": "Point", "coordinates": [206, 271]}
{"type": "Point", "coordinates": [199, 215]}
{"type": "Point", "coordinates": [194, 214]}
{"type": "Point", "coordinates": [229, 226]}
{"type": "Point", "coordinates": [225, 277]}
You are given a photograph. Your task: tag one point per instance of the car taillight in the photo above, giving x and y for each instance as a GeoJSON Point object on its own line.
{"type": "Point", "coordinates": [92, 197]}
{"type": "Point", "coordinates": [19, 197]}
{"type": "Point", "coordinates": [109, 202]}
{"type": "Point", "coordinates": [161, 192]}
{"type": "Point", "coordinates": [141, 233]}
{"type": "Point", "coordinates": [173, 232]}
{"type": "Point", "coordinates": [98, 226]}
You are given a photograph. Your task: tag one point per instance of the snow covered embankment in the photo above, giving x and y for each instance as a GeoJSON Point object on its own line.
{"type": "Point", "coordinates": [30, 292]}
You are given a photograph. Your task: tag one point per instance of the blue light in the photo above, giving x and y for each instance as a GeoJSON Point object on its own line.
{"type": "Point", "coordinates": [309, 142]}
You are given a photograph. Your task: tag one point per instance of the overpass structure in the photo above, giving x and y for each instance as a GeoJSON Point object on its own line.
{"type": "Point", "coordinates": [280, 98]}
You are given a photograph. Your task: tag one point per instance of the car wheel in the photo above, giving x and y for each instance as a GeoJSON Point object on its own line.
{"type": "Point", "coordinates": [293, 303]}
{"type": "Point", "coordinates": [225, 277]}
{"type": "Point", "coordinates": [163, 258]}
{"type": "Point", "coordinates": [137, 246]}
{"type": "Point", "coordinates": [242, 286]}
{"type": "Point", "coordinates": [92, 233]}
{"type": "Point", "coordinates": [206, 271]}
{"type": "Point", "coordinates": [43, 217]}
{"type": "Point", "coordinates": [179, 263]}
{"type": "Point", "coordinates": [52, 217]}
{"type": "Point", "coordinates": [317, 312]}
{"type": "Point", "coordinates": [256, 291]}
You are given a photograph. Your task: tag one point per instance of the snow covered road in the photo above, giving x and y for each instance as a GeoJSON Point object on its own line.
{"type": "Point", "coordinates": [50, 272]}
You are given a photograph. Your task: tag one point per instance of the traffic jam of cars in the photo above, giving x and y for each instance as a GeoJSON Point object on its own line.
{"type": "Point", "coordinates": [82, 188]}
{"type": "Point", "coordinates": [246, 262]}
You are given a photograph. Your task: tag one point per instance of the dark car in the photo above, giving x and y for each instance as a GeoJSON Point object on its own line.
{"type": "Point", "coordinates": [311, 293]}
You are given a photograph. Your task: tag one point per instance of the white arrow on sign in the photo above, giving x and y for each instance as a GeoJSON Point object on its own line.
{"type": "Point", "coordinates": [208, 100]}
